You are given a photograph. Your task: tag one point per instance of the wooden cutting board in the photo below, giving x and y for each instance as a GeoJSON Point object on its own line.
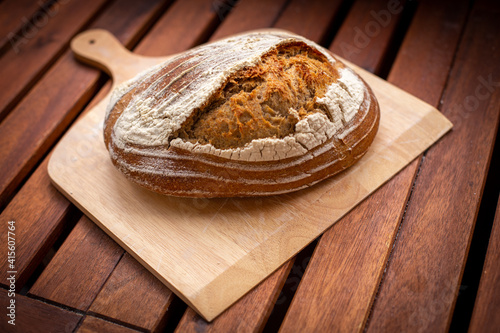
{"type": "Point", "coordinates": [211, 252]}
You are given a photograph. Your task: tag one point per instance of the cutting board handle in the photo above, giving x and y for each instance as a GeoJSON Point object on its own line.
{"type": "Point", "coordinates": [101, 49]}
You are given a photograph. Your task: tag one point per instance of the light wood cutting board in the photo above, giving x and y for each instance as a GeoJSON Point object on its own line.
{"type": "Point", "coordinates": [211, 252]}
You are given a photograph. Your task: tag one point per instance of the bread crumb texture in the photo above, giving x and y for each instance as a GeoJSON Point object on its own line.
{"type": "Point", "coordinates": [263, 101]}
{"type": "Point", "coordinates": [255, 97]}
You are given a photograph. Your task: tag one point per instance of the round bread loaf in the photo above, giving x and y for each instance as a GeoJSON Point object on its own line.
{"type": "Point", "coordinates": [261, 113]}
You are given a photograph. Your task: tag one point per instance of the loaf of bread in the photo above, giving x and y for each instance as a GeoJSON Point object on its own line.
{"type": "Point", "coordinates": [261, 113]}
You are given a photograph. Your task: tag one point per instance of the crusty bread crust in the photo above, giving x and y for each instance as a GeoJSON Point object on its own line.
{"type": "Point", "coordinates": [172, 170]}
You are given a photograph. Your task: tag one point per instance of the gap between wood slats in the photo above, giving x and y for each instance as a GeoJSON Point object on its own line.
{"type": "Point", "coordinates": [103, 78]}
{"type": "Point", "coordinates": [85, 314]}
{"type": "Point", "coordinates": [114, 321]}
{"type": "Point", "coordinates": [38, 73]}
{"type": "Point", "coordinates": [222, 11]}
{"type": "Point", "coordinates": [300, 264]}
{"type": "Point", "coordinates": [71, 216]}
{"type": "Point", "coordinates": [462, 32]}
{"type": "Point", "coordinates": [68, 223]}
{"type": "Point", "coordinates": [461, 314]}
{"type": "Point", "coordinates": [421, 157]}
{"type": "Point", "coordinates": [287, 2]}
{"type": "Point", "coordinates": [336, 23]}
{"type": "Point", "coordinates": [32, 315]}
{"type": "Point", "coordinates": [290, 286]}
{"type": "Point", "coordinates": [478, 247]}
{"type": "Point", "coordinates": [178, 305]}
{"type": "Point", "coordinates": [166, 4]}
{"type": "Point", "coordinates": [310, 251]}
{"type": "Point", "coordinates": [301, 261]}
{"type": "Point", "coordinates": [94, 324]}
{"type": "Point", "coordinates": [303, 251]}
{"type": "Point", "coordinates": [175, 312]}
{"type": "Point", "coordinates": [409, 9]}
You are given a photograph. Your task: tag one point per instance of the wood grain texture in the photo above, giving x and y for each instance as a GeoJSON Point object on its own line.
{"type": "Point", "coordinates": [319, 14]}
{"type": "Point", "coordinates": [38, 232]}
{"type": "Point", "coordinates": [120, 285]}
{"type": "Point", "coordinates": [423, 276]}
{"type": "Point", "coordinates": [40, 212]}
{"type": "Point", "coordinates": [248, 15]}
{"type": "Point", "coordinates": [366, 33]}
{"type": "Point", "coordinates": [86, 259]}
{"type": "Point", "coordinates": [355, 250]}
{"type": "Point", "coordinates": [159, 241]}
{"type": "Point", "coordinates": [92, 324]}
{"type": "Point", "coordinates": [426, 54]}
{"type": "Point", "coordinates": [239, 316]}
{"type": "Point", "coordinates": [338, 286]}
{"type": "Point", "coordinates": [25, 135]}
{"type": "Point", "coordinates": [430, 46]}
{"type": "Point", "coordinates": [33, 316]}
{"type": "Point", "coordinates": [20, 70]}
{"type": "Point", "coordinates": [134, 296]}
{"type": "Point", "coordinates": [487, 306]}
{"type": "Point", "coordinates": [118, 288]}
{"type": "Point", "coordinates": [38, 208]}
{"type": "Point", "coordinates": [184, 25]}
{"type": "Point", "coordinates": [16, 14]}
{"type": "Point", "coordinates": [249, 314]}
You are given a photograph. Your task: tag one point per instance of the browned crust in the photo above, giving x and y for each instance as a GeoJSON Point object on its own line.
{"type": "Point", "coordinates": [205, 175]}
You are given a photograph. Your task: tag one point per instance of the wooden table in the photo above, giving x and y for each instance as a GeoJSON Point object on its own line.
{"type": "Point", "coordinates": [420, 254]}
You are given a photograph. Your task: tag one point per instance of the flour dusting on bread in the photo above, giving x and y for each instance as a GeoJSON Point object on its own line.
{"type": "Point", "coordinates": [154, 115]}
{"type": "Point", "coordinates": [256, 114]}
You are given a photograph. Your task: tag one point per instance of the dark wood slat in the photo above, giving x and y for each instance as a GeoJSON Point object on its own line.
{"type": "Point", "coordinates": [487, 306]}
{"type": "Point", "coordinates": [38, 208]}
{"type": "Point", "coordinates": [14, 14]}
{"type": "Point", "coordinates": [35, 316]}
{"type": "Point", "coordinates": [86, 259]}
{"type": "Point", "coordinates": [365, 35]}
{"type": "Point", "coordinates": [431, 43]}
{"type": "Point", "coordinates": [353, 253]}
{"type": "Point", "coordinates": [248, 15]}
{"type": "Point", "coordinates": [20, 70]}
{"type": "Point", "coordinates": [342, 275]}
{"type": "Point", "coordinates": [41, 117]}
{"type": "Point", "coordinates": [254, 308]}
{"type": "Point", "coordinates": [423, 276]}
{"type": "Point", "coordinates": [26, 135]}
{"type": "Point", "coordinates": [129, 277]}
{"type": "Point", "coordinates": [319, 14]}
{"type": "Point", "coordinates": [251, 312]}
{"type": "Point", "coordinates": [186, 24]}
{"type": "Point", "coordinates": [191, 33]}
{"type": "Point", "coordinates": [40, 212]}
{"type": "Point", "coordinates": [92, 324]}
{"type": "Point", "coordinates": [134, 296]}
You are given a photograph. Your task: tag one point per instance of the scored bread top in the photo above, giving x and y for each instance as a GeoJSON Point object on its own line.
{"type": "Point", "coordinates": [179, 103]}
